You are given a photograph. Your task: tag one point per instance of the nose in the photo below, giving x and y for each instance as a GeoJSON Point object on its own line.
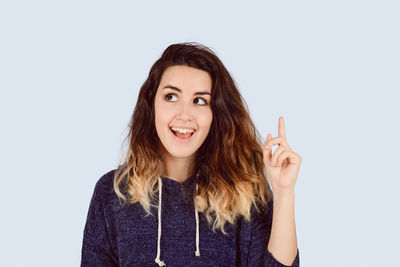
{"type": "Point", "coordinates": [185, 111]}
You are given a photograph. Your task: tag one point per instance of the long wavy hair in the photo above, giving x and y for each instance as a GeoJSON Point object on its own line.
{"type": "Point", "coordinates": [230, 161]}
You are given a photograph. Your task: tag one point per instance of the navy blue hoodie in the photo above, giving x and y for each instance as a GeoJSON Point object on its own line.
{"type": "Point", "coordinates": [174, 235]}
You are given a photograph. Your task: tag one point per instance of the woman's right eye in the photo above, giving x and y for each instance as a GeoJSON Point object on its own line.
{"type": "Point", "coordinates": [168, 96]}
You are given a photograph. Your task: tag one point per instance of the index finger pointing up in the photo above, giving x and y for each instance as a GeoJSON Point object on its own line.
{"type": "Point", "coordinates": [281, 127]}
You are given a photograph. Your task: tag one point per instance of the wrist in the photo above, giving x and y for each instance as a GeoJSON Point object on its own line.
{"type": "Point", "coordinates": [279, 193]}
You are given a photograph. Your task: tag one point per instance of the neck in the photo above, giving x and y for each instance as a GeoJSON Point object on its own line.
{"type": "Point", "coordinates": [178, 169]}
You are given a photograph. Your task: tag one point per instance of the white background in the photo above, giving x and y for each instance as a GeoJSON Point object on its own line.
{"type": "Point", "coordinates": [70, 73]}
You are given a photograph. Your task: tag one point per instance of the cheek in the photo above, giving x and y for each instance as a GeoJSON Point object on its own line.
{"type": "Point", "coordinates": [205, 119]}
{"type": "Point", "coordinates": [162, 113]}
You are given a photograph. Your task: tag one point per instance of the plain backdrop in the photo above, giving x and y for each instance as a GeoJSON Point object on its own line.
{"type": "Point", "coordinates": [70, 73]}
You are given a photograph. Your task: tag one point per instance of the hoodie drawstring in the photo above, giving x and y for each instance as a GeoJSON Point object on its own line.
{"type": "Point", "coordinates": [197, 252]}
{"type": "Point", "coordinates": [157, 260]}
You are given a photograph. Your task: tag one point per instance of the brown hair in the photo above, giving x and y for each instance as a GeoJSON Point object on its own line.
{"type": "Point", "coordinates": [230, 160]}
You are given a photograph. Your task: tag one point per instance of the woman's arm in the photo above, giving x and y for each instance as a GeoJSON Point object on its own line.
{"type": "Point", "coordinates": [283, 241]}
{"type": "Point", "coordinates": [96, 246]}
{"type": "Point", "coordinates": [258, 253]}
{"type": "Point", "coordinates": [282, 169]}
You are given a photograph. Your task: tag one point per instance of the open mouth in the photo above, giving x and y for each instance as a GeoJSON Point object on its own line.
{"type": "Point", "coordinates": [182, 136]}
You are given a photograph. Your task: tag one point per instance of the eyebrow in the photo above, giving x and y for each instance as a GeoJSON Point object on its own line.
{"type": "Point", "coordinates": [179, 90]}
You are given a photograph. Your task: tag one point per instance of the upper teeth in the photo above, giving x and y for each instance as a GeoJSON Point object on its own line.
{"type": "Point", "coordinates": [182, 130]}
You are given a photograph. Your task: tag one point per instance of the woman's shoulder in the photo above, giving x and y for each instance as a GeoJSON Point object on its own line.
{"type": "Point", "coordinates": [105, 183]}
{"type": "Point", "coordinates": [104, 193]}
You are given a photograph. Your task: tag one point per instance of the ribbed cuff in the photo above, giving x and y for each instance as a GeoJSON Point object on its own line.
{"type": "Point", "coordinates": [272, 262]}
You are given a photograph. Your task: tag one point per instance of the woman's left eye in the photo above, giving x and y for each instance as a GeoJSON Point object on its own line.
{"type": "Point", "coordinates": [205, 102]}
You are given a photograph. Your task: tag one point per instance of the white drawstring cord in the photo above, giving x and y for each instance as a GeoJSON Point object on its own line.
{"type": "Point", "coordinates": [157, 259]}
{"type": "Point", "coordinates": [197, 252]}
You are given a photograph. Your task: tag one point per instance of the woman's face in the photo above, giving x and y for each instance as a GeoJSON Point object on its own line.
{"type": "Point", "coordinates": [182, 102]}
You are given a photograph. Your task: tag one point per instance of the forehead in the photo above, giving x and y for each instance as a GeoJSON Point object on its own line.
{"type": "Point", "coordinates": [186, 78]}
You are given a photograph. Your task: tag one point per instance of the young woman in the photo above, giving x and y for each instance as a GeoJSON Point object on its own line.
{"type": "Point", "coordinates": [192, 189]}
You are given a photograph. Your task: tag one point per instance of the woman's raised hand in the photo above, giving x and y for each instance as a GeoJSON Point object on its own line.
{"type": "Point", "coordinates": [283, 166]}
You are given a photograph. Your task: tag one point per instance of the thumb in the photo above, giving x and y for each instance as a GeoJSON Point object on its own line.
{"type": "Point", "coordinates": [268, 151]}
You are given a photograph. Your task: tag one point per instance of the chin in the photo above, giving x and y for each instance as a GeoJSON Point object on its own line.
{"type": "Point", "coordinates": [181, 154]}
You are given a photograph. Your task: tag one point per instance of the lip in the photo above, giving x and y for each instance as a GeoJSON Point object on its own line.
{"type": "Point", "coordinates": [183, 127]}
{"type": "Point", "coordinates": [182, 140]}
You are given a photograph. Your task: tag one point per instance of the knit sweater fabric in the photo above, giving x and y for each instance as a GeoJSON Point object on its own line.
{"type": "Point", "coordinates": [122, 235]}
